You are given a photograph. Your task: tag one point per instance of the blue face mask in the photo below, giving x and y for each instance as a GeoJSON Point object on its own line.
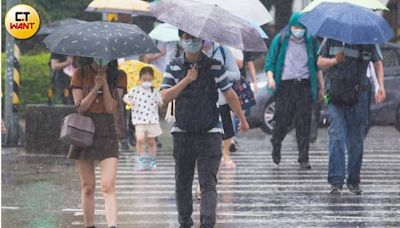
{"type": "Point", "coordinates": [298, 33]}
{"type": "Point", "coordinates": [102, 62]}
{"type": "Point", "coordinates": [192, 45]}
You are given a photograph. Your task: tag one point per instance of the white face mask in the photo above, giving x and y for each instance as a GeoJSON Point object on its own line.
{"type": "Point", "coordinates": [298, 33]}
{"type": "Point", "coordinates": [146, 85]}
{"type": "Point", "coordinates": [192, 45]}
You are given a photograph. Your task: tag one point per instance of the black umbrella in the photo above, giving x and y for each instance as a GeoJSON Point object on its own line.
{"type": "Point", "coordinates": [108, 40]}
{"type": "Point", "coordinates": [47, 29]}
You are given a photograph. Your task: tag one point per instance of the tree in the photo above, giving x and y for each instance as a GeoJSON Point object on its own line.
{"type": "Point", "coordinates": [393, 17]}
{"type": "Point", "coordinates": [283, 11]}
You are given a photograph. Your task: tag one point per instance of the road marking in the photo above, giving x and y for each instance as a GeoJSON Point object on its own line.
{"type": "Point", "coordinates": [10, 208]}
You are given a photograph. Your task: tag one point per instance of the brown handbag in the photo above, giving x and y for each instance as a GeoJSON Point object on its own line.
{"type": "Point", "coordinates": [77, 129]}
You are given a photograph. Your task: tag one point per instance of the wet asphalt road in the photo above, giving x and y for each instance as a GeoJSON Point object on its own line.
{"type": "Point", "coordinates": [44, 191]}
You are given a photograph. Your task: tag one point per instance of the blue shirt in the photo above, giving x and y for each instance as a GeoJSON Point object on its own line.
{"type": "Point", "coordinates": [174, 73]}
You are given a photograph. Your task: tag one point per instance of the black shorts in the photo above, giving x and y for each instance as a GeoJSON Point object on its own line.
{"type": "Point", "coordinates": [227, 124]}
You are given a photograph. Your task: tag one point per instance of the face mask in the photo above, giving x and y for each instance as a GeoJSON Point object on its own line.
{"type": "Point", "coordinates": [102, 62]}
{"type": "Point", "coordinates": [146, 85]}
{"type": "Point", "coordinates": [192, 45]}
{"type": "Point", "coordinates": [298, 33]}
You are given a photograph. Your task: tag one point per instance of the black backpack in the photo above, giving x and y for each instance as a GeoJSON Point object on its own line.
{"type": "Point", "coordinates": [196, 109]}
{"type": "Point", "coordinates": [344, 91]}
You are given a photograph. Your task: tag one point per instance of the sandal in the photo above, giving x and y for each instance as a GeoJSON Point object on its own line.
{"type": "Point", "coordinates": [229, 164]}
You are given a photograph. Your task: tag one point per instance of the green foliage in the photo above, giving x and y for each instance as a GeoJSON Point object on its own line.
{"type": "Point", "coordinates": [35, 78]}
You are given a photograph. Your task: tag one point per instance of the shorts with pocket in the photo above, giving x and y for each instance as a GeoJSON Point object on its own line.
{"type": "Point", "coordinates": [148, 130]}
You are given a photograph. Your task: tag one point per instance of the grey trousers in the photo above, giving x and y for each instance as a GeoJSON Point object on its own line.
{"type": "Point", "coordinates": [206, 150]}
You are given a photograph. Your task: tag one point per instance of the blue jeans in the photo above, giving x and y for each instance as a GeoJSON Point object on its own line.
{"type": "Point", "coordinates": [347, 130]}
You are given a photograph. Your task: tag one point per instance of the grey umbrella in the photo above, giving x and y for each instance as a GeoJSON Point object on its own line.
{"type": "Point", "coordinates": [109, 40]}
{"type": "Point", "coordinates": [47, 29]}
{"type": "Point", "coordinates": [210, 22]}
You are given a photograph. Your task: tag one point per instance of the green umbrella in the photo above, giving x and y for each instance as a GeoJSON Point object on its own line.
{"type": "Point", "coordinates": [165, 33]}
{"type": "Point", "coordinates": [370, 4]}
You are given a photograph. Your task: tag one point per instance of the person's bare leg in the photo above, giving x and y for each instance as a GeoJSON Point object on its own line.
{"type": "Point", "coordinates": [226, 154]}
{"type": "Point", "coordinates": [152, 145]}
{"type": "Point", "coordinates": [88, 186]}
{"type": "Point", "coordinates": [140, 142]}
{"type": "Point", "coordinates": [108, 171]}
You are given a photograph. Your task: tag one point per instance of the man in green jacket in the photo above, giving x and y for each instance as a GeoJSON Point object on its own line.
{"type": "Point", "coordinates": [293, 73]}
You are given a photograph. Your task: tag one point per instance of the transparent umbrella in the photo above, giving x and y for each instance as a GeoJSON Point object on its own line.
{"type": "Point", "coordinates": [210, 22]}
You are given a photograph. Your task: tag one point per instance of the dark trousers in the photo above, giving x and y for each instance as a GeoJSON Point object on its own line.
{"type": "Point", "coordinates": [293, 102]}
{"type": "Point", "coordinates": [206, 150]}
{"type": "Point", "coordinates": [61, 84]}
{"type": "Point", "coordinates": [120, 120]}
{"type": "Point", "coordinates": [315, 116]}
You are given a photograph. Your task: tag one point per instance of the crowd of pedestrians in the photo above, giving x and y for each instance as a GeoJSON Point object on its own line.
{"type": "Point", "coordinates": [199, 77]}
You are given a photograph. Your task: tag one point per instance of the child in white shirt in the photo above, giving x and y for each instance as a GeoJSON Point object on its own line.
{"type": "Point", "coordinates": [145, 101]}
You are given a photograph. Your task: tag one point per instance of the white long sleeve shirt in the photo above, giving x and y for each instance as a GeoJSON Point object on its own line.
{"type": "Point", "coordinates": [371, 75]}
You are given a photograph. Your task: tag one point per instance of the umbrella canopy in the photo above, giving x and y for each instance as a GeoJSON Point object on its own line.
{"type": "Point", "coordinates": [108, 40]}
{"type": "Point", "coordinates": [259, 29]}
{"type": "Point", "coordinates": [370, 4]}
{"type": "Point", "coordinates": [120, 6]}
{"type": "Point", "coordinates": [347, 23]}
{"type": "Point", "coordinates": [47, 29]}
{"type": "Point", "coordinates": [210, 22]}
{"type": "Point", "coordinates": [165, 33]}
{"type": "Point", "coordinates": [252, 10]}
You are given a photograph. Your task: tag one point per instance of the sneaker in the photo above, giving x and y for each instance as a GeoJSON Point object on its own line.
{"type": "Point", "coordinates": [354, 188]}
{"type": "Point", "coordinates": [305, 165]}
{"type": "Point", "coordinates": [336, 189]}
{"type": "Point", "coordinates": [232, 148]}
{"type": "Point", "coordinates": [141, 163]}
{"type": "Point", "coordinates": [152, 162]}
